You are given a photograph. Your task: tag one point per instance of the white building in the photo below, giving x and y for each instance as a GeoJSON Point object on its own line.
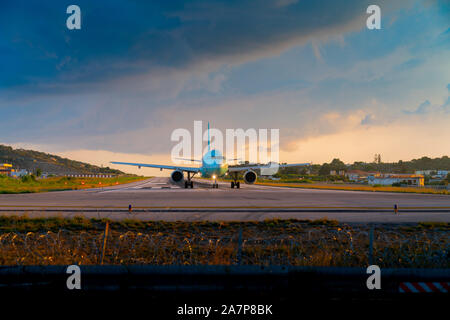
{"type": "Point", "coordinates": [414, 180]}
{"type": "Point", "coordinates": [443, 173]}
{"type": "Point", "coordinates": [19, 173]}
{"type": "Point", "coordinates": [434, 173]}
{"type": "Point", "coordinates": [359, 175]}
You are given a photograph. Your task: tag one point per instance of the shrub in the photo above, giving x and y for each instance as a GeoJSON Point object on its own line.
{"type": "Point", "coordinates": [28, 178]}
{"type": "Point", "coordinates": [66, 179]}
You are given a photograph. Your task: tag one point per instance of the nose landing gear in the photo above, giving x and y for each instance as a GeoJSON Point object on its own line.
{"type": "Point", "coordinates": [215, 184]}
{"type": "Point", "coordinates": [235, 183]}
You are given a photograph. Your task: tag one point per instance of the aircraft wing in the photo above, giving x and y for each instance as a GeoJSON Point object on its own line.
{"type": "Point", "coordinates": [158, 166]}
{"type": "Point", "coordinates": [185, 159]}
{"type": "Point", "coordinates": [266, 166]}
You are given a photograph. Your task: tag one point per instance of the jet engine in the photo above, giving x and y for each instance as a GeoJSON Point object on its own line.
{"type": "Point", "coordinates": [177, 176]}
{"type": "Point", "coordinates": [250, 177]}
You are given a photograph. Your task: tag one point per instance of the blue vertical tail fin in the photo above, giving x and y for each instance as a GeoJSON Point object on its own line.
{"type": "Point", "coordinates": [209, 140]}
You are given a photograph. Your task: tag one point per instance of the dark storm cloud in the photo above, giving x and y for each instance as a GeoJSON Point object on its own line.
{"type": "Point", "coordinates": [123, 38]}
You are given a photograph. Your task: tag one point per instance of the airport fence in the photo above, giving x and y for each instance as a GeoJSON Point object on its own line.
{"type": "Point", "coordinates": [337, 246]}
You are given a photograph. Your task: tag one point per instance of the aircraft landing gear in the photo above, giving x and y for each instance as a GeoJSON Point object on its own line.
{"type": "Point", "coordinates": [235, 183]}
{"type": "Point", "coordinates": [189, 183]}
{"type": "Point", "coordinates": [215, 185]}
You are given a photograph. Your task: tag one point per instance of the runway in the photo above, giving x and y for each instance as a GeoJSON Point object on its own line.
{"type": "Point", "coordinates": [159, 199]}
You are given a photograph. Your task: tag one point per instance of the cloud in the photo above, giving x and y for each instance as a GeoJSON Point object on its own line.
{"type": "Point", "coordinates": [423, 108]}
{"type": "Point", "coordinates": [283, 3]}
{"type": "Point", "coordinates": [446, 105]}
{"type": "Point", "coordinates": [410, 64]}
{"type": "Point", "coordinates": [137, 71]}
{"type": "Point", "coordinates": [368, 119]}
{"type": "Point", "coordinates": [122, 40]}
{"type": "Point", "coordinates": [398, 140]}
{"type": "Point", "coordinates": [427, 107]}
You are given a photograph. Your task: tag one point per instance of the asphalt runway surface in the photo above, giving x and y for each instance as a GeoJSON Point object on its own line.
{"type": "Point", "coordinates": [160, 199]}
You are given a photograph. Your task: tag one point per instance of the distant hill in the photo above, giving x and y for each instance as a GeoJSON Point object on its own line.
{"type": "Point", "coordinates": [48, 163]}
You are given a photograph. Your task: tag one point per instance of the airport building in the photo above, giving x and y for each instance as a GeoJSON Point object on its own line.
{"type": "Point", "coordinates": [434, 173]}
{"type": "Point", "coordinates": [425, 172]}
{"type": "Point", "coordinates": [413, 180]}
{"type": "Point", "coordinates": [337, 172]}
{"type": "Point", "coordinates": [19, 173]}
{"type": "Point", "coordinates": [359, 175]}
{"type": "Point", "coordinates": [6, 169]}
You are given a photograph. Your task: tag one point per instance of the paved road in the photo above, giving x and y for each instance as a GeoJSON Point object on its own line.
{"type": "Point", "coordinates": [151, 198]}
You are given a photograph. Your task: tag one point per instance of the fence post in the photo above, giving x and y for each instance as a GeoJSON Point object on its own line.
{"type": "Point", "coordinates": [239, 254]}
{"type": "Point", "coordinates": [105, 238]}
{"type": "Point", "coordinates": [371, 245]}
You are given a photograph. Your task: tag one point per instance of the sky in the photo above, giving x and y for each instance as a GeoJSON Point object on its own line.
{"type": "Point", "coordinates": [117, 88]}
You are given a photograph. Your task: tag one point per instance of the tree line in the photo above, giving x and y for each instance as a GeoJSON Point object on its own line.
{"type": "Point", "coordinates": [424, 163]}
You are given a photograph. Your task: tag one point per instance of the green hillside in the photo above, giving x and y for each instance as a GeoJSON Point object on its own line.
{"type": "Point", "coordinates": [48, 163]}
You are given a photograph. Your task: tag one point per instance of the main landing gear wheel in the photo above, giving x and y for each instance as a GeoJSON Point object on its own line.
{"type": "Point", "coordinates": [235, 184]}
{"type": "Point", "coordinates": [232, 184]}
{"type": "Point", "coordinates": [189, 183]}
{"type": "Point", "coordinates": [215, 186]}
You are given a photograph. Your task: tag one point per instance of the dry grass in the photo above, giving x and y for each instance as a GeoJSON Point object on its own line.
{"type": "Point", "coordinates": [356, 188]}
{"type": "Point", "coordinates": [11, 185]}
{"type": "Point", "coordinates": [272, 242]}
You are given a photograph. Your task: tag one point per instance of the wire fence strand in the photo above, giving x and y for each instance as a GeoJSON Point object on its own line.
{"type": "Point", "coordinates": [337, 247]}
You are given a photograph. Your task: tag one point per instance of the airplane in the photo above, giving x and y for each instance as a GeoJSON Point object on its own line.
{"type": "Point", "coordinates": [214, 165]}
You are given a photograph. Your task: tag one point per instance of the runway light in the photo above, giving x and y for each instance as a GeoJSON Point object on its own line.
{"type": "Point", "coordinates": [214, 177]}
